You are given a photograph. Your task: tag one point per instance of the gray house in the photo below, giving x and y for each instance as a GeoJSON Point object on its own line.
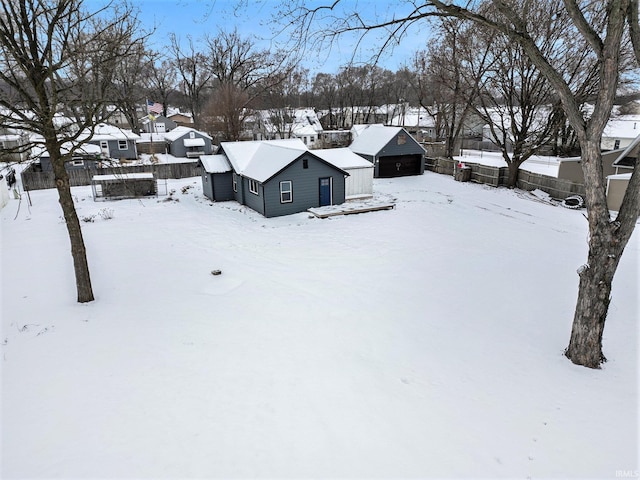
{"type": "Point", "coordinates": [114, 142]}
{"type": "Point", "coordinates": [273, 177]}
{"type": "Point", "coordinates": [392, 150]}
{"type": "Point", "coordinates": [188, 142]}
{"type": "Point", "coordinates": [85, 157]}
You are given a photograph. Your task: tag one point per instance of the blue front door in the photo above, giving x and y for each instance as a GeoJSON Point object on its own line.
{"type": "Point", "coordinates": [325, 191]}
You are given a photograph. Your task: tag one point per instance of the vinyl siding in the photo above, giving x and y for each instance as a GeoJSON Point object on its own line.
{"type": "Point", "coordinates": [177, 148]}
{"type": "Point", "coordinates": [306, 187]}
{"type": "Point", "coordinates": [222, 187]}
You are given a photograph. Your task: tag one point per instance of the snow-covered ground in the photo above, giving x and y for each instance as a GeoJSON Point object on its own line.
{"type": "Point", "coordinates": [424, 341]}
{"type": "Point", "coordinates": [542, 164]}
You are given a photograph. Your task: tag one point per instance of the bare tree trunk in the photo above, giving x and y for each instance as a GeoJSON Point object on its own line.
{"type": "Point", "coordinates": [596, 276]}
{"type": "Point", "coordinates": [78, 250]}
{"type": "Point", "coordinates": [514, 170]}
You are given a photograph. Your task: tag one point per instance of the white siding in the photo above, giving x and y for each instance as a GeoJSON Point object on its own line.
{"type": "Point", "coordinates": [359, 183]}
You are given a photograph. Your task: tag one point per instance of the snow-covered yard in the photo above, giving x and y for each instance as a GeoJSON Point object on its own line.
{"type": "Point", "coordinates": [424, 341]}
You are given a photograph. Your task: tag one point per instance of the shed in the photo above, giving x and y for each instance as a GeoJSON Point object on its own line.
{"type": "Point", "coordinates": [125, 185]}
{"type": "Point", "coordinates": [359, 183]}
{"type": "Point", "coordinates": [392, 150]}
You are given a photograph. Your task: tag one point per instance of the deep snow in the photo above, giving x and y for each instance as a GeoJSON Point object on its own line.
{"type": "Point", "coordinates": [424, 341]}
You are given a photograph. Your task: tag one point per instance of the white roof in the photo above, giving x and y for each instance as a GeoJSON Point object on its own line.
{"type": "Point", "coordinates": [343, 158]}
{"type": "Point", "coordinates": [84, 149]}
{"type": "Point", "coordinates": [109, 132]}
{"type": "Point", "coordinates": [123, 176]}
{"type": "Point", "coordinates": [181, 131]}
{"type": "Point", "coordinates": [215, 163]}
{"type": "Point", "coordinates": [624, 126]}
{"type": "Point", "coordinates": [414, 117]}
{"type": "Point", "coordinates": [260, 160]}
{"type": "Point", "coordinates": [373, 139]}
{"type": "Point", "coordinates": [620, 176]}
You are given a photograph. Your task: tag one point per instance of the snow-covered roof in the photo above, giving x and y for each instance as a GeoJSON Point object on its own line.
{"type": "Point", "coordinates": [414, 117]}
{"type": "Point", "coordinates": [624, 126]}
{"type": "Point", "coordinates": [104, 131]}
{"type": "Point", "coordinates": [39, 150]}
{"type": "Point", "coordinates": [343, 158]}
{"type": "Point", "coordinates": [373, 139]}
{"type": "Point", "coordinates": [123, 176]}
{"type": "Point", "coordinates": [215, 163]}
{"type": "Point", "coordinates": [181, 131]}
{"type": "Point", "coordinates": [620, 176]}
{"type": "Point", "coordinates": [261, 159]}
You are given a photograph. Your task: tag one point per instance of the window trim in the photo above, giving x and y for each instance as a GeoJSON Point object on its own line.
{"type": "Point", "coordinates": [253, 186]}
{"type": "Point", "coordinates": [284, 191]}
{"type": "Point", "coordinates": [123, 142]}
{"type": "Point", "coordinates": [235, 183]}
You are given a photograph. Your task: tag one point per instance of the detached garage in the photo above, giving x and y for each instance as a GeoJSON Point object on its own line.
{"type": "Point", "coordinates": [392, 151]}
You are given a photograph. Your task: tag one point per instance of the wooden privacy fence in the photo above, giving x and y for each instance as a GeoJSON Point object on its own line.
{"type": "Point", "coordinates": [32, 180]}
{"type": "Point", "coordinates": [497, 176]}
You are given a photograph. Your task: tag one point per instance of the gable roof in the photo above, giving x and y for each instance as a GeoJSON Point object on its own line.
{"type": "Point", "coordinates": [103, 131]}
{"type": "Point", "coordinates": [261, 160]}
{"type": "Point", "coordinates": [374, 138]}
{"type": "Point", "coordinates": [180, 132]}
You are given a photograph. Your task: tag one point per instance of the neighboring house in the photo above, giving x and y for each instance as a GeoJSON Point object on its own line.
{"type": "Point", "coordinates": [86, 157]}
{"type": "Point", "coordinates": [114, 142]}
{"type": "Point", "coordinates": [620, 132]}
{"type": "Point", "coordinates": [571, 168]}
{"type": "Point", "coordinates": [417, 121]}
{"type": "Point", "coordinates": [156, 124]}
{"type": "Point", "coordinates": [306, 126]}
{"type": "Point", "coordinates": [624, 163]}
{"type": "Point", "coordinates": [392, 151]}
{"type": "Point", "coordinates": [187, 142]}
{"type": "Point", "coordinates": [13, 146]}
{"type": "Point", "coordinates": [273, 177]}
{"type": "Point", "coordinates": [181, 119]}
{"type": "Point", "coordinates": [359, 183]}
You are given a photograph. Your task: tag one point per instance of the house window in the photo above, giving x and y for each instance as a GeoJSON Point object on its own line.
{"type": "Point", "coordinates": [77, 162]}
{"type": "Point", "coordinates": [253, 186]}
{"type": "Point", "coordinates": [235, 183]}
{"type": "Point", "coordinates": [616, 144]}
{"type": "Point", "coordinates": [286, 192]}
{"type": "Point", "coordinates": [123, 144]}
{"type": "Point", "coordinates": [305, 163]}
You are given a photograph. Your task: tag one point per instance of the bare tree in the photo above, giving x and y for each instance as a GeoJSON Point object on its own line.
{"type": "Point", "coordinates": [606, 27]}
{"type": "Point", "coordinates": [448, 79]}
{"type": "Point", "coordinates": [194, 72]}
{"type": "Point", "coordinates": [160, 79]}
{"type": "Point", "coordinates": [242, 74]}
{"type": "Point", "coordinates": [38, 41]}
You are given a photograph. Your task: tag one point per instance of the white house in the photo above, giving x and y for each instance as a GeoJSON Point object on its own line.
{"type": "Point", "coordinates": [620, 132]}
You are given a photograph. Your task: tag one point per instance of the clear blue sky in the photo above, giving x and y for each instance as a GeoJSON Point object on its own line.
{"type": "Point", "coordinates": [253, 17]}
